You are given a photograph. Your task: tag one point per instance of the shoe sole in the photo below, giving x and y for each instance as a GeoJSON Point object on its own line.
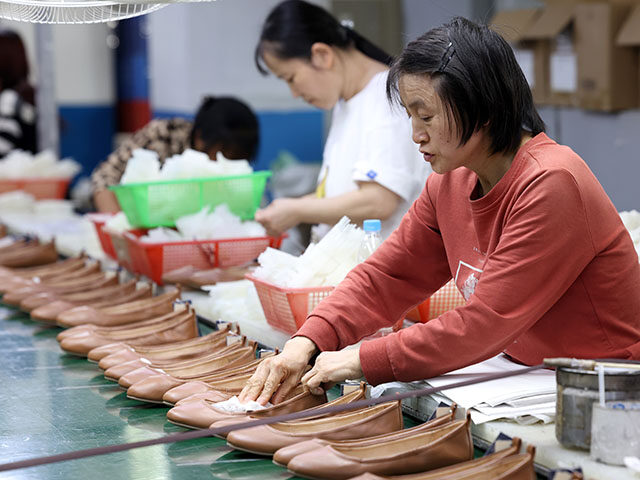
{"type": "Point", "coordinates": [75, 354]}
{"type": "Point", "coordinates": [191, 427]}
{"type": "Point", "coordinates": [144, 400]}
{"type": "Point", "coordinates": [305, 476]}
{"type": "Point", "coordinates": [242, 449]}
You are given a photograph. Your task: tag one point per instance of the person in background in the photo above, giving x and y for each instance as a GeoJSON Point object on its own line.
{"type": "Point", "coordinates": [520, 223]}
{"type": "Point", "coordinates": [370, 168]}
{"type": "Point", "coordinates": [221, 124]}
{"type": "Point", "coordinates": [17, 97]}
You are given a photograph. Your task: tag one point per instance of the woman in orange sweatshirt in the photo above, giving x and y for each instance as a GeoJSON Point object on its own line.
{"type": "Point", "coordinates": [519, 222]}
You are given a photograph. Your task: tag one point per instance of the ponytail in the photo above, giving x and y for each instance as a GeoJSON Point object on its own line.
{"type": "Point", "coordinates": [367, 47]}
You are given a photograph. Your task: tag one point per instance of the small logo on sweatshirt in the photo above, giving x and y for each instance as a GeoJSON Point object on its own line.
{"type": "Point", "coordinates": [372, 174]}
{"type": "Point", "coordinates": [467, 278]}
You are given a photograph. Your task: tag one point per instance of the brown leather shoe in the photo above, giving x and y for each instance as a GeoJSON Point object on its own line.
{"type": "Point", "coordinates": [49, 312]}
{"type": "Point", "coordinates": [512, 467]}
{"type": "Point", "coordinates": [424, 450]}
{"type": "Point", "coordinates": [30, 255]}
{"type": "Point", "coordinates": [112, 355]}
{"type": "Point", "coordinates": [153, 388]}
{"type": "Point", "coordinates": [119, 314]}
{"type": "Point", "coordinates": [353, 396]}
{"type": "Point", "coordinates": [195, 278]}
{"type": "Point", "coordinates": [64, 285]}
{"type": "Point", "coordinates": [58, 286]}
{"type": "Point", "coordinates": [182, 327]}
{"type": "Point", "coordinates": [283, 456]}
{"type": "Point", "coordinates": [209, 351]}
{"type": "Point", "coordinates": [120, 330]}
{"type": "Point", "coordinates": [205, 387]}
{"type": "Point", "coordinates": [267, 439]}
{"type": "Point", "coordinates": [230, 356]}
{"type": "Point", "coordinates": [11, 279]}
{"type": "Point", "coordinates": [200, 414]}
{"type": "Point", "coordinates": [80, 298]}
{"type": "Point", "coordinates": [456, 471]}
{"type": "Point", "coordinates": [85, 297]}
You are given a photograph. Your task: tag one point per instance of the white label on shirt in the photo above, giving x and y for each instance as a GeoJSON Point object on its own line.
{"type": "Point", "coordinates": [467, 278]}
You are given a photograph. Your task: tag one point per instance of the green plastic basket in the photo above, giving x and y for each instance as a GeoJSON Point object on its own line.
{"type": "Point", "coordinates": [160, 204]}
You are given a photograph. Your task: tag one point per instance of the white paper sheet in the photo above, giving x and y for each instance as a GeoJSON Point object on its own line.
{"type": "Point", "coordinates": [495, 392]}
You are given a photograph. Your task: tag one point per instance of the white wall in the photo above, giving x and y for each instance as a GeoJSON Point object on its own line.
{"type": "Point", "coordinates": [84, 65]}
{"type": "Point", "coordinates": [207, 48]}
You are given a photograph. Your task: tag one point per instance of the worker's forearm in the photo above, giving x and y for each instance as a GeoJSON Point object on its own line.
{"type": "Point", "coordinates": [358, 205]}
{"type": "Point", "coordinates": [106, 201]}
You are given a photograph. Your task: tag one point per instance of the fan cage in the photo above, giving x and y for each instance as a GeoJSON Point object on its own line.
{"type": "Point", "coordinates": [78, 11]}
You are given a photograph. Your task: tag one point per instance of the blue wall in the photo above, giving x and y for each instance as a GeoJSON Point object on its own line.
{"type": "Point", "coordinates": [86, 134]}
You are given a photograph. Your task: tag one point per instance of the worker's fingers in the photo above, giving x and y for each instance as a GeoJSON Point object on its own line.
{"type": "Point", "coordinates": [255, 384]}
{"type": "Point", "coordinates": [271, 384]}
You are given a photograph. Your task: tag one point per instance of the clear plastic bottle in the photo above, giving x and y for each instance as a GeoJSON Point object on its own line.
{"type": "Point", "coordinates": [371, 239]}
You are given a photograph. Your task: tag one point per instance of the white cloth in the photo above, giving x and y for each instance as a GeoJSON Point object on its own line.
{"type": "Point", "coordinates": [371, 141]}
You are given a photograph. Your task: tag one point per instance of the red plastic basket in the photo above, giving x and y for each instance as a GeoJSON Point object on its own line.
{"type": "Point", "coordinates": [40, 188]}
{"type": "Point", "coordinates": [98, 220]}
{"type": "Point", "coordinates": [155, 259]}
{"type": "Point", "coordinates": [122, 249]}
{"type": "Point", "coordinates": [287, 308]}
{"type": "Point", "coordinates": [445, 299]}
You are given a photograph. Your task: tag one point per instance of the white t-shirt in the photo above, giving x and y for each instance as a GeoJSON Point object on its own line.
{"type": "Point", "coordinates": [369, 141]}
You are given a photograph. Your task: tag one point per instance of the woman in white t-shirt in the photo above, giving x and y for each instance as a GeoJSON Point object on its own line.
{"type": "Point", "coordinates": [370, 167]}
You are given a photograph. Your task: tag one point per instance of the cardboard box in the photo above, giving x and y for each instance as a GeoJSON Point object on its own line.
{"type": "Point", "coordinates": [553, 34]}
{"type": "Point", "coordinates": [629, 36]}
{"type": "Point", "coordinates": [607, 72]}
{"type": "Point", "coordinates": [512, 25]}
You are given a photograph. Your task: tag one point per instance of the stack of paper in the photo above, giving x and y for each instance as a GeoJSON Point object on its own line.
{"type": "Point", "coordinates": [526, 398]}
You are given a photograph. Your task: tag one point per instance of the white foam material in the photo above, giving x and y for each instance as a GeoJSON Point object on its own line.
{"type": "Point", "coordinates": [118, 223]}
{"type": "Point", "coordinates": [144, 166]}
{"type": "Point", "coordinates": [22, 164]}
{"type": "Point", "coordinates": [206, 225]}
{"type": "Point", "coordinates": [325, 263]}
{"type": "Point", "coordinates": [233, 405]}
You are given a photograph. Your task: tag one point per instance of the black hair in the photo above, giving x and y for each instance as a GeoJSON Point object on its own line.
{"type": "Point", "coordinates": [14, 66]}
{"type": "Point", "coordinates": [228, 124]}
{"type": "Point", "coordinates": [293, 26]}
{"type": "Point", "coordinates": [477, 78]}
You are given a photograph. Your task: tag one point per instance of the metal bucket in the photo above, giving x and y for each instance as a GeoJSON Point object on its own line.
{"type": "Point", "coordinates": [577, 390]}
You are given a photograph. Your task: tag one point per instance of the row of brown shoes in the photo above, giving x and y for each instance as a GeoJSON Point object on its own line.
{"type": "Point", "coordinates": [151, 347]}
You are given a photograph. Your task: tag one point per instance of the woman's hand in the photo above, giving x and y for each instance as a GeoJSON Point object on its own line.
{"type": "Point", "coordinates": [279, 374]}
{"type": "Point", "coordinates": [280, 215]}
{"type": "Point", "coordinates": [332, 367]}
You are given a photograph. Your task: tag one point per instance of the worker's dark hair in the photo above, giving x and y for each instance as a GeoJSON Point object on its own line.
{"type": "Point", "coordinates": [14, 66]}
{"type": "Point", "coordinates": [478, 79]}
{"type": "Point", "coordinates": [293, 26]}
{"type": "Point", "coordinates": [229, 124]}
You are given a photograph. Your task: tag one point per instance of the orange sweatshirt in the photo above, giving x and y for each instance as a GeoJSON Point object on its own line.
{"type": "Point", "coordinates": [544, 261]}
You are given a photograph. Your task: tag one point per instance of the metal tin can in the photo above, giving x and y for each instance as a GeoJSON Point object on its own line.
{"type": "Point", "coordinates": [577, 390]}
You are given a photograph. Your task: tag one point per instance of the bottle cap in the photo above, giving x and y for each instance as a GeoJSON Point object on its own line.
{"type": "Point", "coordinates": [371, 225]}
